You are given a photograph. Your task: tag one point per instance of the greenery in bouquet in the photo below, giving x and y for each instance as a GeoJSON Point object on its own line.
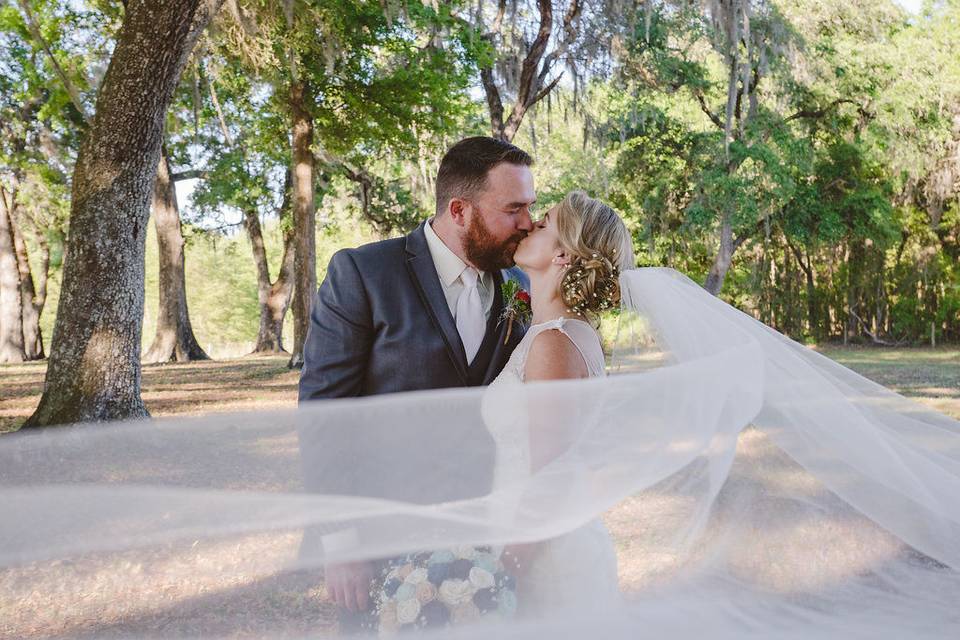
{"type": "Point", "coordinates": [516, 305]}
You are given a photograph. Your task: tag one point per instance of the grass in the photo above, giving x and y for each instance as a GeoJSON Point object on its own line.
{"type": "Point", "coordinates": [231, 587]}
{"type": "Point", "coordinates": [243, 384]}
{"type": "Point", "coordinates": [931, 376]}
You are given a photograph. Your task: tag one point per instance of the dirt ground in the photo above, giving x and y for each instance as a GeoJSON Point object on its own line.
{"type": "Point", "coordinates": [231, 588]}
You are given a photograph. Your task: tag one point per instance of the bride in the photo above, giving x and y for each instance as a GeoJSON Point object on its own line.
{"type": "Point", "coordinates": [573, 257]}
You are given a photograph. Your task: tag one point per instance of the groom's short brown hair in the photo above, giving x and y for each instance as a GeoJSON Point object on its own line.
{"type": "Point", "coordinates": [464, 168]}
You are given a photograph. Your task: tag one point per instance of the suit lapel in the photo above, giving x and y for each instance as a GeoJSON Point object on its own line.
{"type": "Point", "coordinates": [423, 272]}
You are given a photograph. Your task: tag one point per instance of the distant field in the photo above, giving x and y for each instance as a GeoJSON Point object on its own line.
{"type": "Point", "coordinates": [931, 376]}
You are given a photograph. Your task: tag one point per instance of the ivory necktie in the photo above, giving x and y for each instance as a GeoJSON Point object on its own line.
{"type": "Point", "coordinates": [471, 323]}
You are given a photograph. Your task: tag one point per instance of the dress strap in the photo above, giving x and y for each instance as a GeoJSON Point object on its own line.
{"type": "Point", "coordinates": [580, 333]}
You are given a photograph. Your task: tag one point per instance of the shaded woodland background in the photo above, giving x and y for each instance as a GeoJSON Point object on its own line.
{"type": "Point", "coordinates": [799, 158]}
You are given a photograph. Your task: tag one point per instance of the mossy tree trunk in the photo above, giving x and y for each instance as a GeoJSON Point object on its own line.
{"type": "Point", "coordinates": [304, 218]}
{"type": "Point", "coordinates": [94, 370]}
{"type": "Point", "coordinates": [274, 297]}
{"type": "Point", "coordinates": [11, 319]}
{"type": "Point", "coordinates": [174, 340]}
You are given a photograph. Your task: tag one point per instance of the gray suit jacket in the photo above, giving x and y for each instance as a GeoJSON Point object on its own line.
{"type": "Point", "coordinates": [380, 324]}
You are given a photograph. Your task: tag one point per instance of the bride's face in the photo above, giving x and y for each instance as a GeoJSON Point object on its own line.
{"type": "Point", "coordinates": [540, 250]}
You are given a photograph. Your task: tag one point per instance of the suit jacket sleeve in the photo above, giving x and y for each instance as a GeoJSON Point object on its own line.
{"type": "Point", "coordinates": [335, 357]}
{"type": "Point", "coordinates": [340, 335]}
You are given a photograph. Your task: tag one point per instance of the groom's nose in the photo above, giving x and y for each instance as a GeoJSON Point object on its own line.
{"type": "Point", "coordinates": [525, 222]}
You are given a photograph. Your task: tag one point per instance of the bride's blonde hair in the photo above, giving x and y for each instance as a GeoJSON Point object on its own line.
{"type": "Point", "coordinates": [599, 246]}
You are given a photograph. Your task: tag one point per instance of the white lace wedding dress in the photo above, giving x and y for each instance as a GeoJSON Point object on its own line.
{"type": "Point", "coordinates": [579, 569]}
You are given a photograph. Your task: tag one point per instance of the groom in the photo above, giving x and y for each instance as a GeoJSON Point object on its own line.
{"type": "Point", "coordinates": [418, 312]}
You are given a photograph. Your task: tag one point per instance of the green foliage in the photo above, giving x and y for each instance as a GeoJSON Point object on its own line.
{"type": "Point", "coordinates": [830, 180]}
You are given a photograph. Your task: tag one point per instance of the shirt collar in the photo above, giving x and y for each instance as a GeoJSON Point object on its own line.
{"type": "Point", "coordinates": [449, 265]}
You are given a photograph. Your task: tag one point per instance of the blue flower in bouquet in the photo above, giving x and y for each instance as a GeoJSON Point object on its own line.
{"type": "Point", "coordinates": [487, 561]}
{"type": "Point", "coordinates": [460, 569]}
{"type": "Point", "coordinates": [440, 557]}
{"type": "Point", "coordinates": [506, 581]}
{"type": "Point", "coordinates": [486, 599]}
{"type": "Point", "coordinates": [405, 591]}
{"type": "Point", "coordinates": [507, 602]}
{"type": "Point", "coordinates": [437, 573]}
{"type": "Point", "coordinates": [390, 587]}
{"type": "Point", "coordinates": [434, 614]}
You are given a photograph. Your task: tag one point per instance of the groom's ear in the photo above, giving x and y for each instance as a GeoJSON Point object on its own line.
{"type": "Point", "coordinates": [457, 208]}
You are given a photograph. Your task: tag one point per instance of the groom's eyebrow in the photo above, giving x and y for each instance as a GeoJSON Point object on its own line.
{"type": "Point", "coordinates": [516, 205]}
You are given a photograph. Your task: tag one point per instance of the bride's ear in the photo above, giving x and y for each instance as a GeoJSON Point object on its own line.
{"type": "Point", "coordinates": [561, 259]}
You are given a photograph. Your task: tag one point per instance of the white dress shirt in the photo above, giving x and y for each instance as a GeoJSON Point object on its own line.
{"type": "Point", "coordinates": [449, 267]}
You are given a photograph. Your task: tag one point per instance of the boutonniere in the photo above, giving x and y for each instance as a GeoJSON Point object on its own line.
{"type": "Point", "coordinates": [516, 305]}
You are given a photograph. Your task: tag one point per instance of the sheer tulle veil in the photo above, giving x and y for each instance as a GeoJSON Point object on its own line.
{"type": "Point", "coordinates": [752, 486]}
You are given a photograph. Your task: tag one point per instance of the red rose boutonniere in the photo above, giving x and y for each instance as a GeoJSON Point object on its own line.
{"type": "Point", "coordinates": [516, 305]}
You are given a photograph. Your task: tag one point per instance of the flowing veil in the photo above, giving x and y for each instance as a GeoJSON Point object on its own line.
{"type": "Point", "coordinates": [751, 485]}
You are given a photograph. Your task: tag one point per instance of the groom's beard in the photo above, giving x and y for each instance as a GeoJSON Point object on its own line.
{"type": "Point", "coordinates": [484, 251]}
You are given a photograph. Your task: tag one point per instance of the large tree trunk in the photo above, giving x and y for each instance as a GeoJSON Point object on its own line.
{"type": "Point", "coordinates": [11, 321]}
{"type": "Point", "coordinates": [304, 219]}
{"type": "Point", "coordinates": [94, 370]}
{"type": "Point", "coordinates": [723, 260]}
{"type": "Point", "coordinates": [274, 297]}
{"type": "Point", "coordinates": [31, 299]}
{"type": "Point", "coordinates": [174, 340]}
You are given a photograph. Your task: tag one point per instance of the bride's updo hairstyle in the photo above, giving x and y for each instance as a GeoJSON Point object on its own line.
{"type": "Point", "coordinates": [600, 248]}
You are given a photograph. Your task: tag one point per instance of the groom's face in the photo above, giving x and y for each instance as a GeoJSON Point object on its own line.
{"type": "Point", "coordinates": [498, 217]}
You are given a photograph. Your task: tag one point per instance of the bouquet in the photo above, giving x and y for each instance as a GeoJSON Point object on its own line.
{"type": "Point", "coordinates": [441, 588]}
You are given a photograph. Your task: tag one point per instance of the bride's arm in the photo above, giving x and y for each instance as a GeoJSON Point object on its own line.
{"type": "Point", "coordinates": [552, 356]}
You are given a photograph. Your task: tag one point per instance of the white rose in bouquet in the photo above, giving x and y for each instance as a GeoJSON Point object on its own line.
{"type": "Point", "coordinates": [408, 610]}
{"type": "Point", "coordinates": [455, 592]}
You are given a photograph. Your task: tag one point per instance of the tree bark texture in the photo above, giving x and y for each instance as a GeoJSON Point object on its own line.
{"type": "Point", "coordinates": [304, 219]}
{"type": "Point", "coordinates": [174, 340]}
{"type": "Point", "coordinates": [11, 321]}
{"type": "Point", "coordinates": [94, 371]}
{"type": "Point", "coordinates": [274, 297]}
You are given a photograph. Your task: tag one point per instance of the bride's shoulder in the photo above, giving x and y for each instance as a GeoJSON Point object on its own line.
{"type": "Point", "coordinates": [553, 355]}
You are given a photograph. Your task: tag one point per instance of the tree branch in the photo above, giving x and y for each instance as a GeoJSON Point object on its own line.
{"type": "Point", "coordinates": [807, 268]}
{"type": "Point", "coordinates": [189, 174]}
{"type": "Point", "coordinates": [498, 21]}
{"type": "Point", "coordinates": [547, 89]}
{"type": "Point", "coordinates": [819, 113]}
{"type": "Point", "coordinates": [570, 35]}
{"type": "Point", "coordinates": [529, 68]}
{"type": "Point", "coordinates": [714, 118]}
{"type": "Point", "coordinates": [67, 83]}
{"type": "Point", "coordinates": [743, 237]}
{"type": "Point", "coordinates": [494, 102]}
{"type": "Point", "coordinates": [216, 106]}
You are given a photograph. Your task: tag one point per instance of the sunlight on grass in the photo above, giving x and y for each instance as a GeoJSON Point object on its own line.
{"type": "Point", "coordinates": [930, 376]}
